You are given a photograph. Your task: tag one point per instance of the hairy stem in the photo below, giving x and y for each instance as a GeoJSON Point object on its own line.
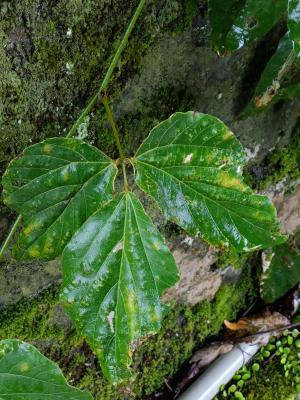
{"type": "Point", "coordinates": [110, 70]}
{"type": "Point", "coordinates": [90, 106]}
{"type": "Point", "coordinates": [117, 138]}
{"type": "Point", "coordinates": [114, 128]}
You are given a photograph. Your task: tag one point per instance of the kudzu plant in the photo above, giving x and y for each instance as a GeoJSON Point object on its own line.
{"type": "Point", "coordinates": [235, 24]}
{"type": "Point", "coordinates": [115, 262]}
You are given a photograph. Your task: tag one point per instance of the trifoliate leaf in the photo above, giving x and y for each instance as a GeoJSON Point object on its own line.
{"type": "Point", "coordinates": [25, 374]}
{"type": "Point", "coordinates": [191, 164]}
{"type": "Point", "coordinates": [56, 185]}
{"type": "Point", "coordinates": [281, 272]}
{"type": "Point", "coordinates": [115, 269]}
{"type": "Point", "coordinates": [238, 23]}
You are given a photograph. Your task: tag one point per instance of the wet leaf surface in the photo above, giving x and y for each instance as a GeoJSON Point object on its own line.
{"type": "Point", "coordinates": [269, 83]}
{"type": "Point", "coordinates": [238, 23]}
{"type": "Point", "coordinates": [56, 185]}
{"type": "Point", "coordinates": [115, 269]}
{"type": "Point", "coordinates": [191, 164]}
{"type": "Point", "coordinates": [294, 24]}
{"type": "Point", "coordinates": [26, 374]}
{"type": "Point", "coordinates": [281, 273]}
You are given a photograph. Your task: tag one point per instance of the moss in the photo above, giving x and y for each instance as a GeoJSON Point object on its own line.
{"type": "Point", "coordinates": [270, 384]}
{"type": "Point", "coordinates": [53, 54]}
{"type": "Point", "coordinates": [40, 322]}
{"type": "Point", "coordinates": [281, 163]}
{"type": "Point", "coordinates": [272, 374]}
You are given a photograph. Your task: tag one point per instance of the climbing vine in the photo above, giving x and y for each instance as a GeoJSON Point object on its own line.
{"type": "Point", "coordinates": [115, 262]}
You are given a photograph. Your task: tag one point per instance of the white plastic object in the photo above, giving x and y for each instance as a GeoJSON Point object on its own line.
{"type": "Point", "coordinates": [220, 372]}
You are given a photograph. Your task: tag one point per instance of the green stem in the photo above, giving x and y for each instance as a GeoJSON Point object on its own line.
{"type": "Point", "coordinates": [10, 236]}
{"type": "Point", "coordinates": [110, 70]}
{"type": "Point", "coordinates": [91, 105]}
{"type": "Point", "coordinates": [117, 138]}
{"type": "Point", "coordinates": [114, 128]}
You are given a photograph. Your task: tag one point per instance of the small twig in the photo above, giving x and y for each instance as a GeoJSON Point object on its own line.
{"type": "Point", "coordinates": [283, 328]}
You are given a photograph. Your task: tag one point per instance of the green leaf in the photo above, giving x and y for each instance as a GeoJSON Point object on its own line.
{"type": "Point", "coordinates": [115, 269]}
{"type": "Point", "coordinates": [191, 164]}
{"type": "Point", "coordinates": [281, 273]}
{"type": "Point", "coordinates": [269, 84]}
{"type": "Point", "coordinates": [56, 185]}
{"type": "Point", "coordinates": [294, 24]}
{"type": "Point", "coordinates": [221, 16]}
{"type": "Point", "coordinates": [243, 21]}
{"type": "Point", "coordinates": [25, 374]}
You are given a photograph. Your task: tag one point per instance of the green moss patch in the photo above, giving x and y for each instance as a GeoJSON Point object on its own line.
{"type": "Point", "coordinates": [42, 322]}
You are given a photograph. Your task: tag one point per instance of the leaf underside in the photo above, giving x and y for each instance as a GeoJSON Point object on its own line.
{"type": "Point", "coordinates": [191, 164]}
{"type": "Point", "coordinates": [115, 269]}
{"type": "Point", "coordinates": [56, 185]}
{"type": "Point", "coordinates": [26, 374]}
{"type": "Point", "coordinates": [242, 22]}
{"type": "Point", "coordinates": [282, 274]}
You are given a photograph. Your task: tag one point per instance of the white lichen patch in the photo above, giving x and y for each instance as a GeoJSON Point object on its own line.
{"type": "Point", "coordinates": [188, 240]}
{"type": "Point", "coordinates": [118, 247]}
{"type": "Point", "coordinates": [188, 158]}
{"type": "Point", "coordinates": [69, 33]}
{"type": "Point", "coordinates": [252, 153]}
{"type": "Point", "coordinates": [110, 319]}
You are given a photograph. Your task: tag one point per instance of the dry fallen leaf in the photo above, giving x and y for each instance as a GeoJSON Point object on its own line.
{"type": "Point", "coordinates": [260, 322]}
{"type": "Point", "coordinates": [208, 354]}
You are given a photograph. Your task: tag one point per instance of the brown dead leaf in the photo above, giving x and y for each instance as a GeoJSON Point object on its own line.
{"type": "Point", "coordinates": [260, 322]}
{"type": "Point", "coordinates": [208, 354]}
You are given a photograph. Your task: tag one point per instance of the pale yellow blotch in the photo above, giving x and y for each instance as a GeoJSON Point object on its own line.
{"type": "Point", "coordinates": [155, 246]}
{"type": "Point", "coordinates": [188, 158]}
{"type": "Point", "coordinates": [47, 148]}
{"type": "Point", "coordinates": [227, 135]}
{"type": "Point", "coordinates": [24, 367]}
{"type": "Point", "coordinates": [48, 248]}
{"type": "Point", "coordinates": [228, 181]}
{"type": "Point", "coordinates": [34, 252]}
{"type": "Point", "coordinates": [209, 157]}
{"type": "Point", "coordinates": [66, 176]}
{"type": "Point", "coordinates": [28, 229]}
{"type": "Point", "coordinates": [130, 302]}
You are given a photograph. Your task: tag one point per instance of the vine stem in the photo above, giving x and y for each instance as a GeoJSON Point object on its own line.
{"type": "Point", "coordinates": [110, 70]}
{"type": "Point", "coordinates": [117, 138]}
{"type": "Point", "coordinates": [89, 108]}
{"type": "Point", "coordinates": [10, 236]}
{"type": "Point", "coordinates": [113, 125]}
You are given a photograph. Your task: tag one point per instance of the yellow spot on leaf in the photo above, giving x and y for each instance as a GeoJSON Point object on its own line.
{"type": "Point", "coordinates": [28, 229]}
{"type": "Point", "coordinates": [66, 176]}
{"type": "Point", "coordinates": [24, 367]}
{"type": "Point", "coordinates": [227, 135]}
{"type": "Point", "coordinates": [48, 248]}
{"type": "Point", "coordinates": [34, 252]}
{"type": "Point", "coordinates": [227, 181]}
{"type": "Point", "coordinates": [155, 246]}
{"type": "Point", "coordinates": [47, 148]}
